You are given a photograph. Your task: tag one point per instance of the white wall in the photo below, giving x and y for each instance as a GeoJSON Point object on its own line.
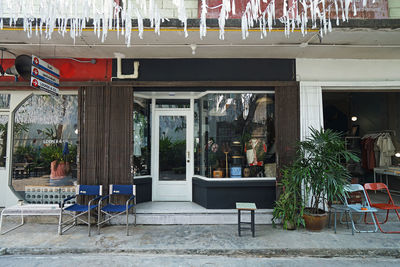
{"type": "Point", "coordinates": [317, 75]}
{"type": "Point", "coordinates": [347, 70]}
{"type": "Point", "coordinates": [7, 196]}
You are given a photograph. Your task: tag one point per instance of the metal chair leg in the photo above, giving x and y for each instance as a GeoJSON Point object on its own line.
{"type": "Point", "coordinates": [127, 223]}
{"type": "Point", "coordinates": [89, 221]}
{"type": "Point", "coordinates": [352, 223]}
{"type": "Point", "coordinates": [98, 221]}
{"type": "Point", "coordinates": [60, 222]}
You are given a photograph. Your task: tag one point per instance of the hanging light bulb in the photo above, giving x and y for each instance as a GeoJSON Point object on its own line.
{"type": "Point", "coordinates": [354, 118]}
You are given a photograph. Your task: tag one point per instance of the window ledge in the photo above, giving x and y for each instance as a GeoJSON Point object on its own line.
{"type": "Point", "coordinates": [235, 179]}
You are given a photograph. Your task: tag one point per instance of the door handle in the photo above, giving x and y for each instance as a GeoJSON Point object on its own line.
{"type": "Point", "coordinates": [188, 157]}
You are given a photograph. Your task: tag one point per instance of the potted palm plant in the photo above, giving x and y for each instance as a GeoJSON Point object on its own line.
{"type": "Point", "coordinates": [320, 161]}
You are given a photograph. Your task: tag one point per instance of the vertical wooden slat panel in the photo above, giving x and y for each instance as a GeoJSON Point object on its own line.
{"type": "Point", "coordinates": [287, 124]}
{"type": "Point", "coordinates": [105, 140]}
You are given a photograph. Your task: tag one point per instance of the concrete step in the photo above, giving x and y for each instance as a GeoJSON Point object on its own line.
{"type": "Point", "coordinates": [229, 217]}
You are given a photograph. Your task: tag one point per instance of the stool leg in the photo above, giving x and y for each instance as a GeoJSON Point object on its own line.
{"type": "Point", "coordinates": [335, 221]}
{"type": "Point", "coordinates": [252, 223]}
{"type": "Point", "coordinates": [239, 222]}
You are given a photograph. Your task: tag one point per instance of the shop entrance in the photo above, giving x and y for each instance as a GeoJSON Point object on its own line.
{"type": "Point", "coordinates": [172, 154]}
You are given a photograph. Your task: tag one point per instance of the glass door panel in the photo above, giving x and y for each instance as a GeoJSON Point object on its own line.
{"type": "Point", "coordinates": [172, 148]}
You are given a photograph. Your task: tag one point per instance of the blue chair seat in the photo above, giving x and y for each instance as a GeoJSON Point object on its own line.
{"type": "Point", "coordinates": [115, 208]}
{"type": "Point", "coordinates": [79, 208]}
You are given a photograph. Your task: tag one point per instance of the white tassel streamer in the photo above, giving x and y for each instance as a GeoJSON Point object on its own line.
{"type": "Point", "coordinates": [45, 16]}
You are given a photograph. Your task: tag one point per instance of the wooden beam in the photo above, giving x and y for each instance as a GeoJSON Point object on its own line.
{"type": "Point", "coordinates": [156, 84]}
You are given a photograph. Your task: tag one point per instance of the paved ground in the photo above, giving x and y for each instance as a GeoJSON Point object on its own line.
{"type": "Point", "coordinates": [211, 240]}
{"type": "Point", "coordinates": [176, 261]}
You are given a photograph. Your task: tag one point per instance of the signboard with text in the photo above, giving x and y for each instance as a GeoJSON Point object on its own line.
{"type": "Point", "coordinates": [44, 76]}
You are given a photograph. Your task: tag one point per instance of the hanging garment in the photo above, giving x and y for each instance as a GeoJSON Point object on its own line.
{"type": "Point", "coordinates": [255, 152]}
{"type": "Point", "coordinates": [377, 153]}
{"type": "Point", "coordinates": [387, 150]}
{"type": "Point", "coordinates": [368, 154]}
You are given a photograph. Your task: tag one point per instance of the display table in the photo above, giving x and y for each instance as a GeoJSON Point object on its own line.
{"type": "Point", "coordinates": [28, 210]}
{"type": "Point", "coordinates": [388, 171]}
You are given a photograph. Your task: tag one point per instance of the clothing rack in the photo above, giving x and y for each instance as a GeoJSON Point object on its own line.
{"type": "Point", "coordinates": [383, 131]}
{"type": "Point", "coordinates": [369, 134]}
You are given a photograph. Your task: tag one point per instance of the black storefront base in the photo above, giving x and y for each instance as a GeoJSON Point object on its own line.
{"type": "Point", "coordinates": [225, 194]}
{"type": "Point", "coordinates": [143, 189]}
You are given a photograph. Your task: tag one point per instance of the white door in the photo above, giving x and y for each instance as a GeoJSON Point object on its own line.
{"type": "Point", "coordinates": [172, 155]}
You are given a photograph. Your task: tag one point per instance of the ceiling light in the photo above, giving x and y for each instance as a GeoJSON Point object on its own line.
{"type": "Point", "coordinates": [354, 118]}
{"type": "Point", "coordinates": [193, 46]}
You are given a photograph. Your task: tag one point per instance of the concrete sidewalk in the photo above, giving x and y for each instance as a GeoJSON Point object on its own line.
{"type": "Point", "coordinates": [201, 240]}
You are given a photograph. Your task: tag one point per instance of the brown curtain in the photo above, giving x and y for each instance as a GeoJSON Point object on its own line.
{"type": "Point", "coordinates": [287, 123]}
{"type": "Point", "coordinates": [105, 135]}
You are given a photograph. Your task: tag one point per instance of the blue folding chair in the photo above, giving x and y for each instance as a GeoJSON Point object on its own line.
{"type": "Point", "coordinates": [112, 210]}
{"type": "Point", "coordinates": [362, 209]}
{"type": "Point", "coordinates": [76, 211]}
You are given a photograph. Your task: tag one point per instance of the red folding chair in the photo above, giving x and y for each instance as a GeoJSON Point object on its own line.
{"type": "Point", "coordinates": [383, 206]}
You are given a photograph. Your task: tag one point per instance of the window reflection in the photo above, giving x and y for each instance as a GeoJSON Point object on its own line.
{"type": "Point", "coordinates": [235, 135]}
{"type": "Point", "coordinates": [141, 137]}
{"type": "Point", "coordinates": [45, 147]}
{"type": "Point", "coordinates": [3, 139]}
{"type": "Point", "coordinates": [5, 101]}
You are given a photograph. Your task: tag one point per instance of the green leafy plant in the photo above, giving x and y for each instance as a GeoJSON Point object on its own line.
{"type": "Point", "coordinates": [320, 165]}
{"type": "Point", "coordinates": [51, 153]}
{"type": "Point", "coordinates": [290, 206]}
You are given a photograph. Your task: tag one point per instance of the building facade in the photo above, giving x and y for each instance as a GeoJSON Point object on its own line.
{"type": "Point", "coordinates": [204, 120]}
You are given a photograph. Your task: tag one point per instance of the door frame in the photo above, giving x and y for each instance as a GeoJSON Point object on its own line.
{"type": "Point", "coordinates": [184, 185]}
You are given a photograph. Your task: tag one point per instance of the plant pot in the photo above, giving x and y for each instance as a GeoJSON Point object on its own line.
{"type": "Point", "coordinates": [315, 222]}
{"type": "Point", "coordinates": [290, 225]}
{"type": "Point", "coordinates": [60, 170]}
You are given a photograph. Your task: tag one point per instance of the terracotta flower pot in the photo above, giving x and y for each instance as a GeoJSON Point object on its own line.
{"type": "Point", "coordinates": [60, 170]}
{"type": "Point", "coordinates": [315, 222]}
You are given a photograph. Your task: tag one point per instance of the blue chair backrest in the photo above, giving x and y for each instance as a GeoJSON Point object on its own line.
{"type": "Point", "coordinates": [89, 190]}
{"type": "Point", "coordinates": [356, 188]}
{"type": "Point", "coordinates": [117, 189]}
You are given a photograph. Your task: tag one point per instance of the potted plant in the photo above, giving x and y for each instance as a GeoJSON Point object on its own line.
{"type": "Point", "coordinates": [58, 163]}
{"type": "Point", "coordinates": [290, 206]}
{"type": "Point", "coordinates": [320, 161]}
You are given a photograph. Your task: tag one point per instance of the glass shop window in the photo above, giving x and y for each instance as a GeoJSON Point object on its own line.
{"type": "Point", "coordinates": [141, 136]}
{"type": "Point", "coordinates": [235, 135]}
{"type": "Point", "coordinates": [3, 139]}
{"type": "Point", "coordinates": [44, 161]}
{"type": "Point", "coordinates": [4, 101]}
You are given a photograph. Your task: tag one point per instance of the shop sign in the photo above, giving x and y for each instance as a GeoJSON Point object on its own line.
{"type": "Point", "coordinates": [36, 83]}
{"type": "Point", "coordinates": [44, 76]}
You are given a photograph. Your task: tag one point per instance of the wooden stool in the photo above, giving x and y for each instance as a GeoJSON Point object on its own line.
{"type": "Point", "coordinates": [249, 207]}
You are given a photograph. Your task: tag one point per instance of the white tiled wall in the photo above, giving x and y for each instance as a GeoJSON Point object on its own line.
{"type": "Point", "coordinates": [169, 10]}
{"type": "Point", "coordinates": [394, 9]}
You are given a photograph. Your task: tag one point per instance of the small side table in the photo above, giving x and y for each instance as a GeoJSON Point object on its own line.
{"type": "Point", "coordinates": [248, 207]}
